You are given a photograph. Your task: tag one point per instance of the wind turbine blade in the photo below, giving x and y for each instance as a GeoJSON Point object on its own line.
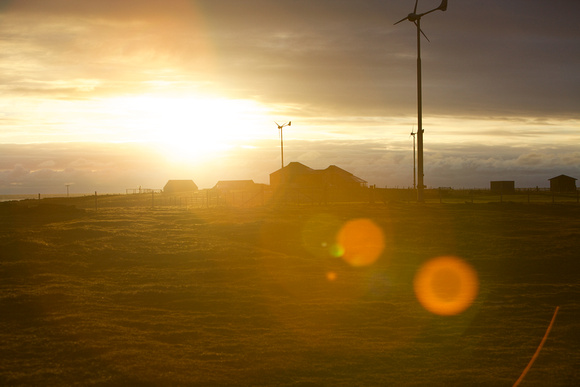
{"type": "Point", "coordinates": [415, 10]}
{"type": "Point", "coordinates": [423, 33]}
{"type": "Point", "coordinates": [403, 19]}
{"type": "Point", "coordinates": [442, 7]}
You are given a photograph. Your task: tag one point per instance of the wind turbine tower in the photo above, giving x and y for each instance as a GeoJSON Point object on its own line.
{"type": "Point", "coordinates": [280, 127]}
{"type": "Point", "coordinates": [415, 18]}
{"type": "Point", "coordinates": [414, 166]}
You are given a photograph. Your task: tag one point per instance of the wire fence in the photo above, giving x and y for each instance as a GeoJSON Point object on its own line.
{"type": "Point", "coordinates": [264, 196]}
{"type": "Point", "coordinates": [516, 196]}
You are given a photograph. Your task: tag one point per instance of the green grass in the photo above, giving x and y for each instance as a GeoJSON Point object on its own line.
{"type": "Point", "coordinates": [240, 297]}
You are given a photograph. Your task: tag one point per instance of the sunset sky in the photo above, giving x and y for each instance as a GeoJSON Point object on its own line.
{"type": "Point", "coordinates": [107, 95]}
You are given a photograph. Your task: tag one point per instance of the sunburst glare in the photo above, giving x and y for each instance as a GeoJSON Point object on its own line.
{"type": "Point", "coordinates": [189, 128]}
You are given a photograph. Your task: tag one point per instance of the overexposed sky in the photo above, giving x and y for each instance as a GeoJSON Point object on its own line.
{"type": "Point", "coordinates": [110, 95]}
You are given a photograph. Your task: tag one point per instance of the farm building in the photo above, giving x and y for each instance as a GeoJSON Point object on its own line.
{"type": "Point", "coordinates": [292, 173]}
{"type": "Point", "coordinates": [562, 183]}
{"type": "Point", "coordinates": [503, 187]}
{"type": "Point", "coordinates": [235, 185]}
{"type": "Point", "coordinates": [300, 176]}
{"type": "Point", "coordinates": [244, 193]}
{"type": "Point", "coordinates": [179, 186]}
{"type": "Point", "coordinates": [334, 176]}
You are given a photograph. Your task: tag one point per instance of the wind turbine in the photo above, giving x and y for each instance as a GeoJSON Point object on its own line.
{"type": "Point", "coordinates": [415, 18]}
{"type": "Point", "coordinates": [289, 123]}
{"type": "Point", "coordinates": [67, 185]}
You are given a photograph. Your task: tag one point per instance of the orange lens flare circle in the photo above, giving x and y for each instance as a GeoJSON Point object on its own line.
{"type": "Point", "coordinates": [446, 285]}
{"type": "Point", "coordinates": [360, 242]}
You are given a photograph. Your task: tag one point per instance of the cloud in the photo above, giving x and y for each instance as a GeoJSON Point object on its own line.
{"type": "Point", "coordinates": [497, 73]}
{"type": "Point", "coordinates": [112, 168]}
{"type": "Point", "coordinates": [494, 58]}
{"type": "Point", "coordinates": [103, 167]}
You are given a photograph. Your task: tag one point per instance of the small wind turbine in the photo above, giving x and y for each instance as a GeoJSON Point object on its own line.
{"type": "Point", "coordinates": [415, 18]}
{"type": "Point", "coordinates": [289, 123]}
{"type": "Point", "coordinates": [67, 185]}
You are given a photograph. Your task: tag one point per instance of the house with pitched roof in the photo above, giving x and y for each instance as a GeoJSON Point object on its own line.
{"type": "Point", "coordinates": [298, 175]}
{"type": "Point", "coordinates": [179, 186]}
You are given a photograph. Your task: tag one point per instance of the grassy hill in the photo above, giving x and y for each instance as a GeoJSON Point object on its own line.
{"type": "Point", "coordinates": [261, 296]}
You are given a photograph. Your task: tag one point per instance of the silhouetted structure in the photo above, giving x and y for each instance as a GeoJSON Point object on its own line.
{"type": "Point", "coordinates": [179, 186]}
{"type": "Point", "coordinates": [562, 183]}
{"type": "Point", "coordinates": [280, 127]}
{"type": "Point", "coordinates": [235, 185]}
{"type": "Point", "coordinates": [298, 183]}
{"type": "Point", "coordinates": [415, 18]}
{"type": "Point", "coordinates": [298, 175]}
{"type": "Point", "coordinates": [503, 187]}
{"type": "Point", "coordinates": [292, 173]}
{"type": "Point", "coordinates": [244, 193]}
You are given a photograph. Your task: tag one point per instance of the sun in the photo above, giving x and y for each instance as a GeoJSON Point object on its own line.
{"type": "Point", "coordinates": [190, 128]}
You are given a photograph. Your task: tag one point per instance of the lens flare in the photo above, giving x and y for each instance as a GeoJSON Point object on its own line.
{"type": "Point", "coordinates": [336, 250]}
{"type": "Point", "coordinates": [446, 285]}
{"type": "Point", "coordinates": [361, 242]}
{"type": "Point", "coordinates": [318, 235]}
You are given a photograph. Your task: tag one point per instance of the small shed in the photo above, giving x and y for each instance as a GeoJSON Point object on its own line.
{"type": "Point", "coordinates": [562, 183]}
{"type": "Point", "coordinates": [179, 186]}
{"type": "Point", "coordinates": [503, 187]}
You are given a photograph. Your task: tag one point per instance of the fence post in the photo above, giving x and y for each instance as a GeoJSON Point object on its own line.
{"type": "Point", "coordinates": [528, 195]}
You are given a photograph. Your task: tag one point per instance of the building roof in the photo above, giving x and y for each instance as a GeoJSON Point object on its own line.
{"type": "Point", "coordinates": [300, 173]}
{"type": "Point", "coordinates": [562, 177]}
{"type": "Point", "coordinates": [333, 169]}
{"type": "Point", "coordinates": [180, 186]}
{"type": "Point", "coordinates": [235, 184]}
{"type": "Point", "coordinates": [294, 168]}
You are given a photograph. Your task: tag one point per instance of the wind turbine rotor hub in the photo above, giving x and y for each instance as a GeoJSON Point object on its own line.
{"type": "Point", "coordinates": [413, 17]}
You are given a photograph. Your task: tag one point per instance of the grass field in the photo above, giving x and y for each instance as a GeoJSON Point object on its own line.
{"type": "Point", "coordinates": [259, 297]}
